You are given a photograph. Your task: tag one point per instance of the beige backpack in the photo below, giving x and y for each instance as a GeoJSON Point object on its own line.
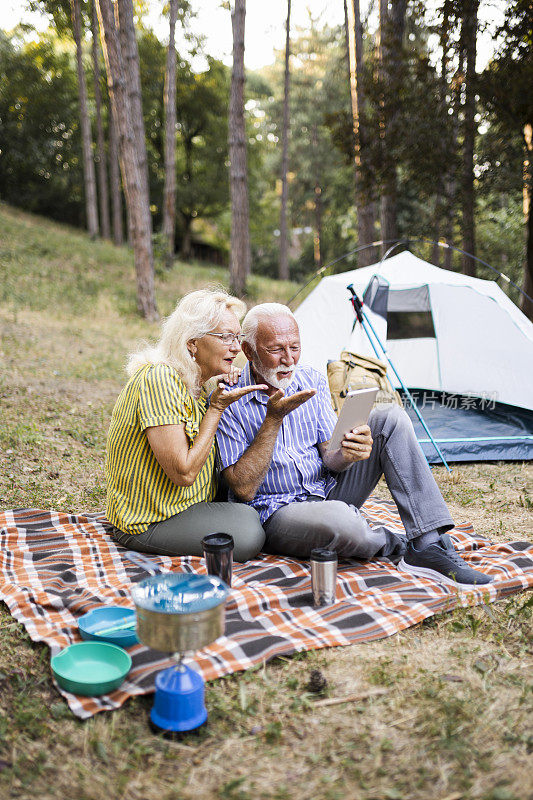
{"type": "Point", "coordinates": [352, 372]}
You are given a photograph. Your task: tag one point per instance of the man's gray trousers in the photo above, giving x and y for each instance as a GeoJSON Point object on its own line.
{"type": "Point", "coordinates": [337, 524]}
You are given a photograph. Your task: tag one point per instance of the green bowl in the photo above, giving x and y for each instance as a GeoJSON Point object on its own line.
{"type": "Point", "coordinates": [90, 668]}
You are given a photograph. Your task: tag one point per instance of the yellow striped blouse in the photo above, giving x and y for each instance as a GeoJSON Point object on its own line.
{"type": "Point", "coordinates": [138, 490]}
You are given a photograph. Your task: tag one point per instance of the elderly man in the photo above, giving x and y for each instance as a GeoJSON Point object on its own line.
{"type": "Point", "coordinates": [273, 450]}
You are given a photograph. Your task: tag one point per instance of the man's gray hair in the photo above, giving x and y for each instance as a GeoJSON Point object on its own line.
{"type": "Point", "coordinates": [254, 316]}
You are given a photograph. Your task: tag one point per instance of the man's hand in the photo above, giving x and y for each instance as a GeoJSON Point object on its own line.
{"type": "Point", "coordinates": [222, 397]}
{"type": "Point", "coordinates": [279, 406]}
{"type": "Point", "coordinates": [246, 476]}
{"type": "Point", "coordinates": [357, 444]}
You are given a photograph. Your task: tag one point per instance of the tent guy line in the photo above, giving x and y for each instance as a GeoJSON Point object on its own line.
{"type": "Point", "coordinates": [320, 271]}
{"type": "Point", "coordinates": [398, 243]}
{"type": "Point", "coordinates": [447, 246]}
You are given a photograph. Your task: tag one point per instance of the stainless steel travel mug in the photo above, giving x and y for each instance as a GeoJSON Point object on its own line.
{"type": "Point", "coordinates": [323, 576]}
{"type": "Point", "coordinates": [218, 552]}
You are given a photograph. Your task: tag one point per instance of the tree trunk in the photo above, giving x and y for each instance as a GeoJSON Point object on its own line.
{"type": "Point", "coordinates": [317, 239]}
{"type": "Point", "coordinates": [317, 249]}
{"type": "Point", "coordinates": [169, 192]}
{"type": "Point", "coordinates": [186, 242]}
{"type": "Point", "coordinates": [130, 55]}
{"type": "Point", "coordinates": [391, 29]}
{"type": "Point", "coordinates": [469, 24]}
{"type": "Point", "coordinates": [439, 209]}
{"type": "Point", "coordinates": [526, 304]}
{"type": "Point", "coordinates": [100, 141]}
{"type": "Point", "coordinates": [388, 211]}
{"type": "Point", "coordinates": [283, 238]}
{"type": "Point", "coordinates": [240, 258]}
{"type": "Point", "coordinates": [363, 198]}
{"type": "Point", "coordinates": [436, 249]}
{"type": "Point", "coordinates": [446, 205]}
{"type": "Point", "coordinates": [132, 150]}
{"type": "Point", "coordinates": [452, 188]}
{"type": "Point", "coordinates": [187, 218]}
{"type": "Point", "coordinates": [116, 189]}
{"type": "Point", "coordinates": [382, 83]}
{"type": "Point", "coordinates": [88, 163]}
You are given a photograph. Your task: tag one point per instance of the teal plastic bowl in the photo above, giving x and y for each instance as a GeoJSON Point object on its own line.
{"type": "Point", "coordinates": [90, 668]}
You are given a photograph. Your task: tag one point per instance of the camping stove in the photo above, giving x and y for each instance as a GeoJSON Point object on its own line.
{"type": "Point", "coordinates": [179, 613]}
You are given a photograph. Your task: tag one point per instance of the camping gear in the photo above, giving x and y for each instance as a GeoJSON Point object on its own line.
{"type": "Point", "coordinates": [323, 576]}
{"type": "Point", "coordinates": [90, 668]}
{"type": "Point", "coordinates": [376, 300]}
{"type": "Point", "coordinates": [179, 700]}
{"type": "Point", "coordinates": [218, 554]}
{"type": "Point", "coordinates": [179, 613]}
{"type": "Point", "coordinates": [458, 342]}
{"type": "Point", "coordinates": [472, 429]}
{"type": "Point", "coordinates": [352, 372]}
{"type": "Point", "coordinates": [113, 624]}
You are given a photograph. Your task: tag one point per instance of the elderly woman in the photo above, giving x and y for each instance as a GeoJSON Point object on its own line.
{"type": "Point", "coordinates": [161, 444]}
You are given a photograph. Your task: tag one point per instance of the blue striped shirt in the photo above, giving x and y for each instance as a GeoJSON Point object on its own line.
{"type": "Point", "coordinates": [296, 470]}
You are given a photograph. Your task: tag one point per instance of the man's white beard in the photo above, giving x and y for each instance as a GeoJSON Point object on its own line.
{"type": "Point", "coordinates": [270, 376]}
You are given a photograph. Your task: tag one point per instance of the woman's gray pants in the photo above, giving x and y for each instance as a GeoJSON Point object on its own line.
{"type": "Point", "coordinates": [337, 524]}
{"type": "Point", "coordinates": [182, 534]}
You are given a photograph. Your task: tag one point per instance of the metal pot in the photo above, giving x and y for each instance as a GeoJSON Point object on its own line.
{"type": "Point", "coordinates": [179, 612]}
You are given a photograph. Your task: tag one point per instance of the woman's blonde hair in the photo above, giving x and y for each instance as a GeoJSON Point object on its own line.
{"type": "Point", "coordinates": [195, 315]}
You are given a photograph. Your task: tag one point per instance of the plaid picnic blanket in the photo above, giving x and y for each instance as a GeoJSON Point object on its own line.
{"type": "Point", "coordinates": [54, 567]}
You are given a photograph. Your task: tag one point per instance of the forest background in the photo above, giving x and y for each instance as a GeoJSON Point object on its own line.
{"type": "Point", "coordinates": [452, 717]}
{"type": "Point", "coordinates": [433, 149]}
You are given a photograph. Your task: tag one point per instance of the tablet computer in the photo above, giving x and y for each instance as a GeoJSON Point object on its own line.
{"type": "Point", "coordinates": [354, 412]}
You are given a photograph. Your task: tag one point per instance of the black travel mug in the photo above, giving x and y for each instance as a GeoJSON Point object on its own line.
{"type": "Point", "coordinates": [323, 576]}
{"type": "Point", "coordinates": [218, 552]}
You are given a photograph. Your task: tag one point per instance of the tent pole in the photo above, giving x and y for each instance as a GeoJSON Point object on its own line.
{"type": "Point", "coordinates": [362, 317]}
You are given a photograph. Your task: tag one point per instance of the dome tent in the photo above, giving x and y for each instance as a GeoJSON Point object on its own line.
{"type": "Point", "coordinates": [447, 333]}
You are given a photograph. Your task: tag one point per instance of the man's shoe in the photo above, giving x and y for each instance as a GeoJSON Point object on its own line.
{"type": "Point", "coordinates": [442, 563]}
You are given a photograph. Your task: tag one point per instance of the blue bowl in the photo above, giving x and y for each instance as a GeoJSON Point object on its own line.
{"type": "Point", "coordinates": [105, 617]}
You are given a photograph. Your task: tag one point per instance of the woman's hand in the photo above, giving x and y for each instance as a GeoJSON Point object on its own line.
{"type": "Point", "coordinates": [223, 397]}
{"type": "Point", "coordinates": [233, 376]}
{"type": "Point", "coordinates": [229, 378]}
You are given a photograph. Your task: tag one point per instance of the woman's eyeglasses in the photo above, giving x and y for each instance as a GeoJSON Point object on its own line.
{"type": "Point", "coordinates": [227, 338]}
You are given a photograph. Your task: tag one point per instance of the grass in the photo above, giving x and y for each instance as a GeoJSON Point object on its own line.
{"type": "Point", "coordinates": [455, 719]}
